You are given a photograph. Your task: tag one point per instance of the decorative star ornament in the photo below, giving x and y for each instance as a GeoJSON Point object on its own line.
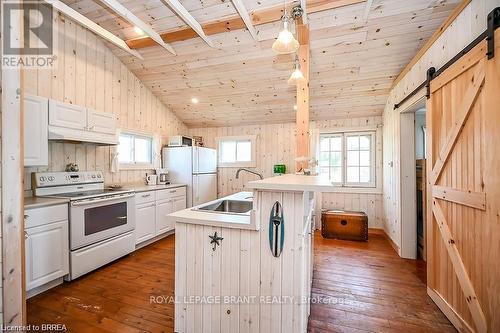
{"type": "Point", "coordinates": [215, 240]}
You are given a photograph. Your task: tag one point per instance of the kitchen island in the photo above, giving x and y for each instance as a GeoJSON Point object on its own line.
{"type": "Point", "coordinates": [248, 271]}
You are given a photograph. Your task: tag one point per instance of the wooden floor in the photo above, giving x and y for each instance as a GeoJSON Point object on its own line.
{"type": "Point", "coordinates": [368, 288]}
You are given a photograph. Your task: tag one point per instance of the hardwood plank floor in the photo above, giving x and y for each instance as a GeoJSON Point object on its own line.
{"type": "Point", "coordinates": [366, 285]}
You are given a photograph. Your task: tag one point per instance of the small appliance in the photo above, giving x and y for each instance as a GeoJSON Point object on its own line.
{"type": "Point", "coordinates": [180, 141]}
{"type": "Point", "coordinates": [151, 179]}
{"type": "Point", "coordinates": [162, 176]}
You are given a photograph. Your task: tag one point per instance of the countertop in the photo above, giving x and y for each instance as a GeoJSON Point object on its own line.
{"type": "Point", "coordinates": [291, 182]}
{"type": "Point", "coordinates": [37, 202]}
{"type": "Point", "coordinates": [225, 220]}
{"type": "Point", "coordinates": [143, 187]}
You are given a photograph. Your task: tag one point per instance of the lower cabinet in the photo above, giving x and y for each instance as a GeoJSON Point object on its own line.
{"type": "Point", "coordinates": [151, 216]}
{"type": "Point", "coordinates": [46, 246]}
{"type": "Point", "coordinates": [145, 215]}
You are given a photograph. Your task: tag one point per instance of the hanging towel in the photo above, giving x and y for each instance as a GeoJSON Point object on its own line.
{"type": "Point", "coordinates": [115, 163]}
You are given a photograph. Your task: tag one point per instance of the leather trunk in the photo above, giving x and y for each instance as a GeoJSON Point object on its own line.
{"type": "Point", "coordinates": [347, 225]}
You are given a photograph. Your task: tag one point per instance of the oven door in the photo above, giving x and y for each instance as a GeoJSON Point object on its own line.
{"type": "Point", "coordinates": [94, 220]}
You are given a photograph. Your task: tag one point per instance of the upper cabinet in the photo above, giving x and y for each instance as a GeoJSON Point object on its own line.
{"type": "Point", "coordinates": [67, 115]}
{"type": "Point", "coordinates": [77, 123]}
{"type": "Point", "coordinates": [101, 122]}
{"type": "Point", "coordinates": [36, 146]}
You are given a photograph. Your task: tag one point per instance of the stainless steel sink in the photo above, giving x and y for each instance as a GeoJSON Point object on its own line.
{"type": "Point", "coordinates": [228, 206]}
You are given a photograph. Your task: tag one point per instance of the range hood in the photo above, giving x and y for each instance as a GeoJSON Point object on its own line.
{"type": "Point", "coordinates": [57, 133]}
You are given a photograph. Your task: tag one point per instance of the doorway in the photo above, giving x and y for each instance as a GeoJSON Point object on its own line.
{"type": "Point", "coordinates": [412, 195]}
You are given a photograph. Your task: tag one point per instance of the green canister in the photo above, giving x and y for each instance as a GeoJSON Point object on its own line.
{"type": "Point", "coordinates": [280, 169]}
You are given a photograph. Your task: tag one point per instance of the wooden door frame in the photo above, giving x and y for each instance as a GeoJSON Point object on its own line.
{"type": "Point", "coordinates": [12, 195]}
{"type": "Point", "coordinates": [408, 178]}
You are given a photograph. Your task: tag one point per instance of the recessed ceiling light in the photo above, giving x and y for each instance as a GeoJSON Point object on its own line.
{"type": "Point", "coordinates": [295, 107]}
{"type": "Point", "coordinates": [194, 100]}
{"type": "Point", "coordinates": [138, 31]}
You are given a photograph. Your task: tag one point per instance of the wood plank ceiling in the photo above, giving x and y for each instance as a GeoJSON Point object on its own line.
{"type": "Point", "coordinates": [241, 81]}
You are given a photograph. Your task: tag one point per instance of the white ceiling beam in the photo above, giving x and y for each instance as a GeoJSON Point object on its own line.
{"type": "Point", "coordinates": [240, 8]}
{"type": "Point", "coordinates": [130, 17]}
{"type": "Point", "coordinates": [368, 6]}
{"type": "Point", "coordinates": [304, 14]}
{"type": "Point", "coordinates": [182, 12]}
{"type": "Point", "coordinates": [97, 29]}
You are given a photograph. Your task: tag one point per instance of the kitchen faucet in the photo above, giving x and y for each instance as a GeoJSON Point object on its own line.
{"type": "Point", "coordinates": [248, 170]}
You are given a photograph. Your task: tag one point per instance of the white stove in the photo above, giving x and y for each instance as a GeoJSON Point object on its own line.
{"type": "Point", "coordinates": [101, 221]}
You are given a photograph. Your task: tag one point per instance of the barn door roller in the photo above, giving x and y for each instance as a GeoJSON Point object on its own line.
{"type": "Point", "coordinates": [493, 23]}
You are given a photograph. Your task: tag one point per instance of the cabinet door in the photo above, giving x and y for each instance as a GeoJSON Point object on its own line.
{"type": "Point", "coordinates": [101, 122]}
{"type": "Point", "coordinates": [179, 203]}
{"type": "Point", "coordinates": [47, 253]}
{"type": "Point", "coordinates": [145, 222]}
{"type": "Point", "coordinates": [67, 115]}
{"type": "Point", "coordinates": [162, 222]}
{"type": "Point", "coordinates": [36, 118]}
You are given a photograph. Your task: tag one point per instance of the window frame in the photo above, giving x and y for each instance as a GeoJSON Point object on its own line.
{"type": "Point", "coordinates": [137, 165]}
{"type": "Point", "coordinates": [248, 164]}
{"type": "Point", "coordinates": [373, 159]}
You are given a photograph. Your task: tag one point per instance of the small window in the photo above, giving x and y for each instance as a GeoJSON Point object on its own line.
{"type": "Point", "coordinates": [348, 159]}
{"type": "Point", "coordinates": [135, 150]}
{"type": "Point", "coordinates": [237, 151]}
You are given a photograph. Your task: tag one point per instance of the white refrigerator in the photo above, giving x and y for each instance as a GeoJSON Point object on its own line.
{"type": "Point", "coordinates": [196, 167]}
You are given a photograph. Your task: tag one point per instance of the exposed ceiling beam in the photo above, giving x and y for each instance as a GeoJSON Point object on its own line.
{"type": "Point", "coordinates": [130, 17]}
{"type": "Point", "coordinates": [240, 8]}
{"type": "Point", "coordinates": [262, 16]}
{"type": "Point", "coordinates": [97, 29]}
{"type": "Point", "coordinates": [183, 13]}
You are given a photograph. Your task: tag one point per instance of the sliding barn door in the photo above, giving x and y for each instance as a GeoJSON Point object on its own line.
{"type": "Point", "coordinates": [463, 169]}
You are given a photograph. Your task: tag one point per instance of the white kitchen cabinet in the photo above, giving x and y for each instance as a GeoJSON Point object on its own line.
{"type": "Point", "coordinates": [36, 144]}
{"type": "Point", "coordinates": [162, 210]}
{"type": "Point", "coordinates": [67, 115]}
{"type": "Point", "coordinates": [152, 208]}
{"type": "Point", "coordinates": [47, 253]}
{"type": "Point", "coordinates": [46, 246]}
{"type": "Point", "coordinates": [179, 203]}
{"type": "Point", "coordinates": [101, 122]}
{"type": "Point", "coordinates": [145, 222]}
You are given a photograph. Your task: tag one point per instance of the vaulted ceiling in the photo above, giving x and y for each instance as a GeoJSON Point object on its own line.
{"type": "Point", "coordinates": [241, 81]}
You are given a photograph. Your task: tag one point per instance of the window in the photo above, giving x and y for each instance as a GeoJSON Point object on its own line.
{"type": "Point", "coordinates": [348, 159]}
{"type": "Point", "coordinates": [237, 151]}
{"type": "Point", "coordinates": [135, 150]}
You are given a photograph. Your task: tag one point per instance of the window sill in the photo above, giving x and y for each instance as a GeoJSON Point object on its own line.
{"type": "Point", "coordinates": [136, 167]}
{"type": "Point", "coordinates": [355, 190]}
{"type": "Point", "coordinates": [237, 165]}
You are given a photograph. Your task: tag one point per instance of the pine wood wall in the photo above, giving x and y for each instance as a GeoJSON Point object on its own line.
{"type": "Point", "coordinates": [276, 145]}
{"type": "Point", "coordinates": [88, 74]}
{"type": "Point", "coordinates": [469, 24]}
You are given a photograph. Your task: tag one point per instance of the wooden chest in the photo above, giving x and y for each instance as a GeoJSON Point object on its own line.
{"type": "Point", "coordinates": [342, 224]}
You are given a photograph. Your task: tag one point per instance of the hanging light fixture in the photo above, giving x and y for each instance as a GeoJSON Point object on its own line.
{"type": "Point", "coordinates": [285, 43]}
{"type": "Point", "coordinates": [297, 76]}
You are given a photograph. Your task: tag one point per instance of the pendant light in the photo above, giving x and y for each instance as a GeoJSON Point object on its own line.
{"type": "Point", "coordinates": [297, 76]}
{"type": "Point", "coordinates": [285, 43]}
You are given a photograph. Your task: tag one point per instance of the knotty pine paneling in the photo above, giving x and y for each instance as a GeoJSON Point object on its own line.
{"type": "Point", "coordinates": [276, 145]}
{"type": "Point", "coordinates": [469, 24]}
{"type": "Point", "coordinates": [89, 74]}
